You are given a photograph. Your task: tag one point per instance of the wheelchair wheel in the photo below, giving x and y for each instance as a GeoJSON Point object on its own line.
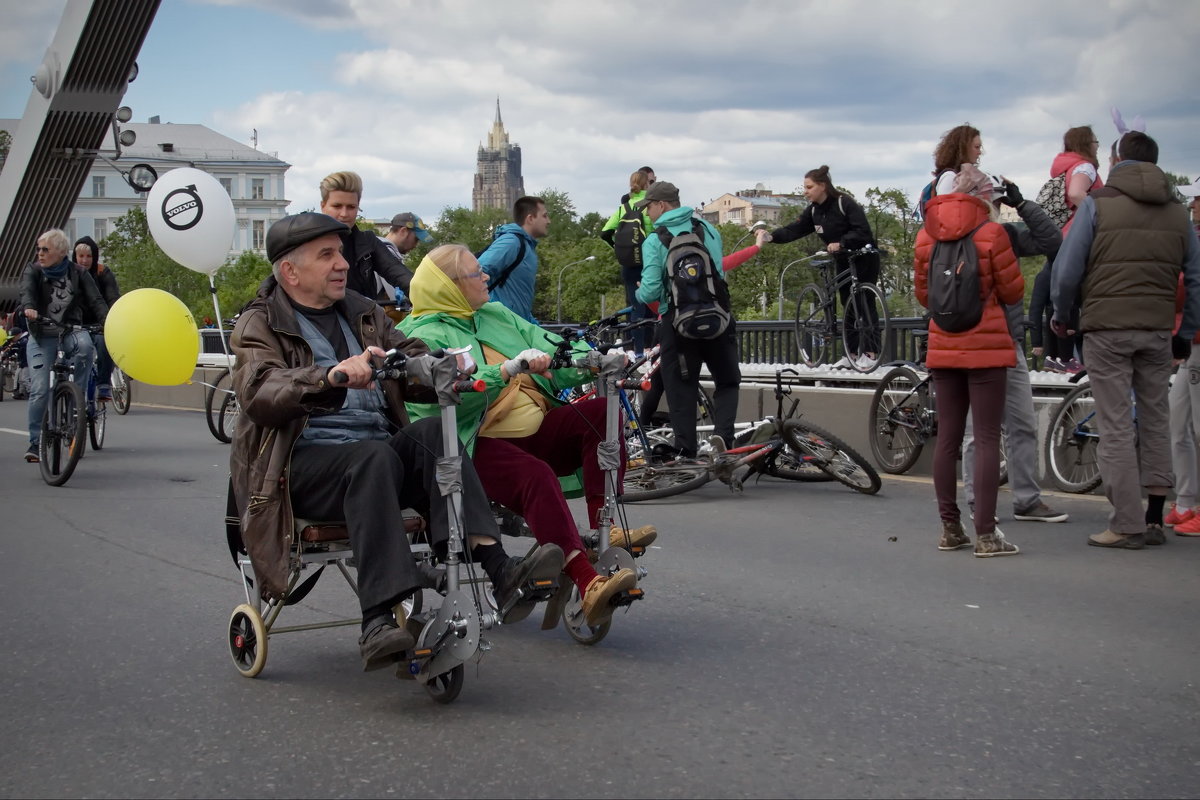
{"type": "Point", "coordinates": [444, 688]}
{"type": "Point", "coordinates": [247, 640]}
{"type": "Point", "coordinates": [576, 623]}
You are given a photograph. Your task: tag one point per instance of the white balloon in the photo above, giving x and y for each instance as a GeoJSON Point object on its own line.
{"type": "Point", "coordinates": [191, 218]}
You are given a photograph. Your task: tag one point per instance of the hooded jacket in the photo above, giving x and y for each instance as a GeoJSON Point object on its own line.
{"type": "Point", "coordinates": [442, 318]}
{"type": "Point", "coordinates": [1124, 254]}
{"type": "Point", "coordinates": [278, 386]}
{"type": "Point", "coordinates": [517, 292]}
{"type": "Point", "coordinates": [84, 296]}
{"type": "Point", "coordinates": [654, 288]}
{"type": "Point", "coordinates": [989, 344]}
{"type": "Point", "coordinates": [105, 280]}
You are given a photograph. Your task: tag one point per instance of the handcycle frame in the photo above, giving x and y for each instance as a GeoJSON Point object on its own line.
{"type": "Point", "coordinates": [817, 325]}
{"type": "Point", "coordinates": [448, 636]}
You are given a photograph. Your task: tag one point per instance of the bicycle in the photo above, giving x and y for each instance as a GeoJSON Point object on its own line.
{"type": "Point", "coordinates": [122, 391]}
{"type": "Point", "coordinates": [866, 320]}
{"type": "Point", "coordinates": [221, 414]}
{"type": "Point", "coordinates": [1073, 440]}
{"type": "Point", "coordinates": [97, 412]}
{"type": "Point", "coordinates": [64, 420]}
{"type": "Point", "coordinates": [785, 446]}
{"type": "Point", "coordinates": [903, 418]}
{"type": "Point", "coordinates": [10, 367]}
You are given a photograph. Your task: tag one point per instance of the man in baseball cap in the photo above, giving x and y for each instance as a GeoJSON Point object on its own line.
{"type": "Point", "coordinates": [318, 438]}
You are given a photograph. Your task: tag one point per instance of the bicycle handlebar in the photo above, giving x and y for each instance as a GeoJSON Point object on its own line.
{"type": "Point", "coordinates": [395, 368]}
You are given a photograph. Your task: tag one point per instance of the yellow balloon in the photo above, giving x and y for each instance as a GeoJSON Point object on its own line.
{"type": "Point", "coordinates": [3, 336]}
{"type": "Point", "coordinates": [152, 336]}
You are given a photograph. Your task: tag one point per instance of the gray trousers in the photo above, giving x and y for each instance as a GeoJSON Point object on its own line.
{"type": "Point", "coordinates": [1020, 441]}
{"type": "Point", "coordinates": [1185, 430]}
{"type": "Point", "coordinates": [1124, 367]}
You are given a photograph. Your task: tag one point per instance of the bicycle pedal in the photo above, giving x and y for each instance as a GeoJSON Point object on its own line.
{"type": "Point", "coordinates": [637, 552]}
{"type": "Point", "coordinates": [627, 598]}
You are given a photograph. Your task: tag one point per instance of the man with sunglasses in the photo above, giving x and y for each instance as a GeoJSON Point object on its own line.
{"type": "Point", "coordinates": [54, 291]}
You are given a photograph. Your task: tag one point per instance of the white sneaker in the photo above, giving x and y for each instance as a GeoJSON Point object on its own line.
{"type": "Point", "coordinates": [844, 363]}
{"type": "Point", "coordinates": [867, 363]}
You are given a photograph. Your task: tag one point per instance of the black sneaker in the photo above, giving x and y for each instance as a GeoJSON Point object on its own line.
{"type": "Point", "coordinates": [527, 581]}
{"type": "Point", "coordinates": [31, 455]}
{"type": "Point", "coordinates": [382, 643]}
{"type": "Point", "coordinates": [1041, 513]}
{"type": "Point", "coordinates": [1155, 535]}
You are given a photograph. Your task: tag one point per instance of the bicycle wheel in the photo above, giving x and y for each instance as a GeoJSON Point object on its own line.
{"type": "Point", "coordinates": [214, 398]}
{"type": "Point", "coordinates": [646, 481]}
{"type": "Point", "coordinates": [97, 422]}
{"type": "Point", "coordinates": [704, 408]}
{"type": "Point", "coordinates": [122, 391]}
{"type": "Point", "coordinates": [867, 320]}
{"type": "Point", "coordinates": [832, 455]}
{"type": "Point", "coordinates": [814, 327]}
{"type": "Point", "coordinates": [227, 421]}
{"type": "Point", "coordinates": [64, 434]}
{"type": "Point", "coordinates": [898, 418]}
{"type": "Point", "coordinates": [1072, 443]}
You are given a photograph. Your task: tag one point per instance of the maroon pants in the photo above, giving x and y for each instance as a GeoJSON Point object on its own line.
{"type": "Point", "coordinates": [522, 474]}
{"type": "Point", "coordinates": [982, 392]}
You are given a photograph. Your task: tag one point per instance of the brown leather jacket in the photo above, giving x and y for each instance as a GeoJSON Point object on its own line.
{"type": "Point", "coordinates": [278, 387]}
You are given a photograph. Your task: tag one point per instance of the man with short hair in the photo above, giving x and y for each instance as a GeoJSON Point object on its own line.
{"type": "Point", "coordinates": [370, 259]}
{"type": "Point", "coordinates": [1123, 255]}
{"type": "Point", "coordinates": [511, 261]}
{"type": "Point", "coordinates": [54, 290]}
{"type": "Point", "coordinates": [681, 356]}
{"type": "Point", "coordinates": [407, 231]}
{"type": "Point", "coordinates": [308, 446]}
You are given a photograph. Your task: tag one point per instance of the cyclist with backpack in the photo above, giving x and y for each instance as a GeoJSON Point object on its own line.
{"type": "Point", "coordinates": [511, 261]}
{"type": "Point", "coordinates": [842, 225]}
{"type": "Point", "coordinates": [965, 271]}
{"type": "Point", "coordinates": [625, 231]}
{"type": "Point", "coordinates": [682, 270]}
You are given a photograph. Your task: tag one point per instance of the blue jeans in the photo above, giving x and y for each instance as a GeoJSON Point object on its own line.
{"type": "Point", "coordinates": [40, 352]}
{"type": "Point", "coordinates": [104, 363]}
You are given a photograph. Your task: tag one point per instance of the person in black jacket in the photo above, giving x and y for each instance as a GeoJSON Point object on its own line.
{"type": "Point", "coordinates": [367, 254]}
{"type": "Point", "coordinates": [842, 225]}
{"type": "Point", "coordinates": [53, 290]}
{"type": "Point", "coordinates": [87, 257]}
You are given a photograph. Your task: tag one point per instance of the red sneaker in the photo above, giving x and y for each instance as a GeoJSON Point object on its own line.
{"type": "Point", "coordinates": [1191, 527]}
{"type": "Point", "coordinates": [1175, 516]}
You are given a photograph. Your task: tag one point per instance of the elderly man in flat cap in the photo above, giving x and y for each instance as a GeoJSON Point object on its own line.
{"type": "Point", "coordinates": [309, 448]}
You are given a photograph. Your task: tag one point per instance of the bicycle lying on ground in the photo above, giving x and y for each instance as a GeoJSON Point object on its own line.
{"type": "Point", "coordinates": [866, 321]}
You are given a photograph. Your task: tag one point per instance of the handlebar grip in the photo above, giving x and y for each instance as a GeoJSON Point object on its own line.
{"type": "Point", "coordinates": [469, 386]}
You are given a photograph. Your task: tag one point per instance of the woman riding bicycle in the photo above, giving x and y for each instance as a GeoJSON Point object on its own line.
{"type": "Point", "coordinates": [841, 224]}
{"type": "Point", "coordinates": [87, 256]}
{"type": "Point", "coordinates": [521, 438]}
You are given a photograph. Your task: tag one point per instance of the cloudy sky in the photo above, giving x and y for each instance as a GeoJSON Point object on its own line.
{"type": "Point", "coordinates": [715, 96]}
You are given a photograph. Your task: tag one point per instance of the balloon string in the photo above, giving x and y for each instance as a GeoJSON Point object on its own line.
{"type": "Point", "coordinates": [212, 287]}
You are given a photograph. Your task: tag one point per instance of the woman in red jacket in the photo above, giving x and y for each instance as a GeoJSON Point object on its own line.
{"type": "Point", "coordinates": [969, 368]}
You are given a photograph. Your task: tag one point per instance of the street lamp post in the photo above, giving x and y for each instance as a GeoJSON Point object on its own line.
{"type": "Point", "coordinates": [558, 302]}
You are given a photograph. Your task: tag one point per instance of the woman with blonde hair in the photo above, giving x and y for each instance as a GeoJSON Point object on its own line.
{"type": "Point", "coordinates": [521, 438]}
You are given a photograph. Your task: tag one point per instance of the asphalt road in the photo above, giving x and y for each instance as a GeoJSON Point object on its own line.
{"type": "Point", "coordinates": [799, 640]}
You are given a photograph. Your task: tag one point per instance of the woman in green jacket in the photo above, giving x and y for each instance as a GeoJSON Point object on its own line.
{"type": "Point", "coordinates": [521, 438]}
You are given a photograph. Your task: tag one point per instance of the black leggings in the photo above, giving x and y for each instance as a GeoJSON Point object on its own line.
{"type": "Point", "coordinates": [867, 269]}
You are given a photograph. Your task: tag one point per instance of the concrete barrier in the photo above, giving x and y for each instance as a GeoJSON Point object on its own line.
{"type": "Point", "coordinates": [841, 409]}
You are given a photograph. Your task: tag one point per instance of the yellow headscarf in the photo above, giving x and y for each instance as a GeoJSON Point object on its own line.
{"type": "Point", "coordinates": [432, 291]}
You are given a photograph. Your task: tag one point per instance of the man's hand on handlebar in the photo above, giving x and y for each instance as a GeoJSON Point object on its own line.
{"type": "Point", "coordinates": [356, 372]}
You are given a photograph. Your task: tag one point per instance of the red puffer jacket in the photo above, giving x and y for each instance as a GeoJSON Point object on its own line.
{"type": "Point", "coordinates": [988, 344]}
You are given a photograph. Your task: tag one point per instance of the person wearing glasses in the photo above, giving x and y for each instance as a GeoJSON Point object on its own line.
{"type": "Point", "coordinates": [521, 437]}
{"type": "Point", "coordinates": [53, 291]}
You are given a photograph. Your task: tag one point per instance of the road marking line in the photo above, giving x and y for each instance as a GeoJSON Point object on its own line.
{"type": "Point", "coordinates": [10, 430]}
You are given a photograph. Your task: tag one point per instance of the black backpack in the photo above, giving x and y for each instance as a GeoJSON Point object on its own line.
{"type": "Point", "coordinates": [699, 297]}
{"type": "Point", "coordinates": [628, 238]}
{"type": "Point", "coordinates": [496, 281]}
{"type": "Point", "coordinates": [955, 302]}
